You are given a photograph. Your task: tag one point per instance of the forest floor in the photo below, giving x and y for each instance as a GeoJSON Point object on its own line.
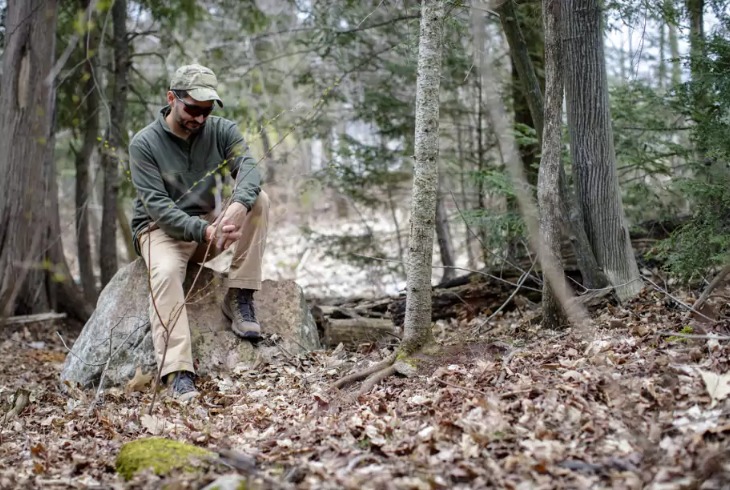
{"type": "Point", "coordinates": [618, 406]}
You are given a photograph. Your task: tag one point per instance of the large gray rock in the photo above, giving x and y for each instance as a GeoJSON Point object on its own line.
{"type": "Point", "coordinates": [120, 327]}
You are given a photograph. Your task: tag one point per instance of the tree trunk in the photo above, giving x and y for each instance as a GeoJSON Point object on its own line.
{"type": "Point", "coordinates": [26, 112]}
{"type": "Point", "coordinates": [446, 243]}
{"type": "Point", "coordinates": [548, 183]}
{"type": "Point", "coordinates": [591, 146]}
{"type": "Point", "coordinates": [90, 115]}
{"type": "Point", "coordinates": [572, 222]}
{"type": "Point", "coordinates": [695, 15]}
{"type": "Point", "coordinates": [66, 296]}
{"type": "Point", "coordinates": [116, 137]}
{"type": "Point", "coordinates": [417, 324]}
{"type": "Point", "coordinates": [523, 65]}
{"type": "Point", "coordinates": [674, 50]}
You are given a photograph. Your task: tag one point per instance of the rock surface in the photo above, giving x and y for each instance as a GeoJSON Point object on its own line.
{"type": "Point", "coordinates": [120, 327]}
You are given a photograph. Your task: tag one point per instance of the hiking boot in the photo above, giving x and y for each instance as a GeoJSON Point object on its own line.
{"type": "Point", "coordinates": [238, 307]}
{"type": "Point", "coordinates": [182, 385]}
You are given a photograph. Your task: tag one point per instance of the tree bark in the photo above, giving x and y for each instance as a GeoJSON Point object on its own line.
{"type": "Point", "coordinates": [674, 50]}
{"type": "Point", "coordinates": [695, 15]}
{"type": "Point", "coordinates": [90, 114]}
{"type": "Point", "coordinates": [417, 324]}
{"type": "Point", "coordinates": [522, 63]}
{"type": "Point", "coordinates": [591, 146]}
{"type": "Point", "coordinates": [108, 257]}
{"type": "Point", "coordinates": [446, 243]}
{"type": "Point", "coordinates": [572, 222]}
{"type": "Point", "coordinates": [26, 112]}
{"type": "Point", "coordinates": [548, 182]}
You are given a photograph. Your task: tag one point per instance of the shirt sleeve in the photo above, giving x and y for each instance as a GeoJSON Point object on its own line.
{"type": "Point", "coordinates": [157, 202]}
{"type": "Point", "coordinates": [242, 167]}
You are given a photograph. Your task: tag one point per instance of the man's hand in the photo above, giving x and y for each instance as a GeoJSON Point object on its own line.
{"type": "Point", "coordinates": [229, 226]}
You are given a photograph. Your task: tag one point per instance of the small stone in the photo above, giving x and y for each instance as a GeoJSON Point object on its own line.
{"type": "Point", "coordinates": [227, 482]}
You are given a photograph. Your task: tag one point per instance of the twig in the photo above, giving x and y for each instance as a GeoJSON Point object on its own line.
{"type": "Point", "coordinates": [693, 336]}
{"type": "Point", "coordinates": [522, 280]}
{"type": "Point", "coordinates": [465, 388]}
{"type": "Point", "coordinates": [505, 364]}
{"type": "Point", "coordinates": [679, 301]}
{"type": "Point", "coordinates": [481, 273]}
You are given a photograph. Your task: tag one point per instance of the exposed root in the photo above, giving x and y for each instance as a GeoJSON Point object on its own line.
{"type": "Point", "coordinates": [376, 378]}
{"type": "Point", "coordinates": [357, 376]}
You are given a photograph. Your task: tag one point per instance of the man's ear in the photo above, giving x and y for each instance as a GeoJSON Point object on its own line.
{"type": "Point", "coordinates": [170, 97]}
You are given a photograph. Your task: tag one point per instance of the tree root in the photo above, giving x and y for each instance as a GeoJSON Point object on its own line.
{"type": "Point", "coordinates": [376, 378]}
{"type": "Point", "coordinates": [357, 376]}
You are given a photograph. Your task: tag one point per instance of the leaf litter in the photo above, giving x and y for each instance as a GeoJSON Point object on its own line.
{"type": "Point", "coordinates": [516, 408]}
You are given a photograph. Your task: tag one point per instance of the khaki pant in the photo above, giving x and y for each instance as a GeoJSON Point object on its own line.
{"type": "Point", "coordinates": [167, 263]}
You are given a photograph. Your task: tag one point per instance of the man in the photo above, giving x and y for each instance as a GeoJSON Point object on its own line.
{"type": "Point", "coordinates": [175, 163]}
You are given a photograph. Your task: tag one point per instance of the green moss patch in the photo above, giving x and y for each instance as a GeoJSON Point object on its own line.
{"type": "Point", "coordinates": [161, 455]}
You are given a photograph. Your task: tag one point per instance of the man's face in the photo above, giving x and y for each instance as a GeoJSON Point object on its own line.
{"type": "Point", "coordinates": [189, 114]}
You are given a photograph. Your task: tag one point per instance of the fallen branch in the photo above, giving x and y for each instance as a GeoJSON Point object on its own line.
{"type": "Point", "coordinates": [40, 317]}
{"type": "Point", "coordinates": [711, 287]}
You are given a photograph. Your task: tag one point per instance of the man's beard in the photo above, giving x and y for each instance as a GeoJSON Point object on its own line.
{"type": "Point", "coordinates": [191, 127]}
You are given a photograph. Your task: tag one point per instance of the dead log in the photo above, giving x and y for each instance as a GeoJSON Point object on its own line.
{"type": "Point", "coordinates": [353, 332]}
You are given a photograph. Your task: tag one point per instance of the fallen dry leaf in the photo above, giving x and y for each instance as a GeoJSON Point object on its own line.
{"type": "Point", "coordinates": [138, 382]}
{"type": "Point", "coordinates": [718, 385]}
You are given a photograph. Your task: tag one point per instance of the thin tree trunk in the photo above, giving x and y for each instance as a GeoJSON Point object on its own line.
{"type": "Point", "coordinates": [522, 63]}
{"type": "Point", "coordinates": [548, 183]}
{"type": "Point", "coordinates": [26, 112]}
{"type": "Point", "coordinates": [674, 52]}
{"type": "Point", "coordinates": [90, 110]}
{"type": "Point", "coordinates": [116, 136]}
{"type": "Point", "coordinates": [67, 297]}
{"type": "Point", "coordinates": [469, 239]}
{"type": "Point", "coordinates": [446, 243]}
{"type": "Point", "coordinates": [662, 68]}
{"type": "Point", "coordinates": [417, 323]}
{"type": "Point", "coordinates": [591, 145]}
{"type": "Point", "coordinates": [695, 14]}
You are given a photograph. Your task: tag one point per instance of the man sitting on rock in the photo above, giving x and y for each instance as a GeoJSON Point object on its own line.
{"type": "Point", "coordinates": [176, 163]}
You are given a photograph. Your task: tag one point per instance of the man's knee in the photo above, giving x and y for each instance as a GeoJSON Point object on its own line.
{"type": "Point", "coordinates": [166, 272]}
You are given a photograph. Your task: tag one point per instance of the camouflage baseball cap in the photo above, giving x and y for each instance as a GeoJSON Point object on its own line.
{"type": "Point", "coordinates": [199, 82]}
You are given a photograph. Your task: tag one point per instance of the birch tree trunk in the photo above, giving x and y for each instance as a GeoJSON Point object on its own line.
{"type": "Point", "coordinates": [417, 323]}
{"type": "Point", "coordinates": [26, 112]}
{"type": "Point", "coordinates": [591, 146]}
{"type": "Point", "coordinates": [548, 180]}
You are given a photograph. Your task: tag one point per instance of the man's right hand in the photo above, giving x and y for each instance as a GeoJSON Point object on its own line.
{"type": "Point", "coordinates": [228, 232]}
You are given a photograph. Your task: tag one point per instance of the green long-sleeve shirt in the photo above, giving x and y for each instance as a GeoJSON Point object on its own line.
{"type": "Point", "coordinates": [175, 178]}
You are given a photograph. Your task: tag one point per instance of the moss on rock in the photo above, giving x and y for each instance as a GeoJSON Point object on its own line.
{"type": "Point", "coordinates": [161, 455]}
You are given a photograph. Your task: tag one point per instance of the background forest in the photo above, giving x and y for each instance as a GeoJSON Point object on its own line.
{"type": "Point", "coordinates": [324, 93]}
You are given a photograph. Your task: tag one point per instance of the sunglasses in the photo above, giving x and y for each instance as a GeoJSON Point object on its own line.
{"type": "Point", "coordinates": [194, 110]}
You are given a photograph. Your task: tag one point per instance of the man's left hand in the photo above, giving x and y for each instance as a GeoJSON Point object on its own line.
{"type": "Point", "coordinates": [229, 224]}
